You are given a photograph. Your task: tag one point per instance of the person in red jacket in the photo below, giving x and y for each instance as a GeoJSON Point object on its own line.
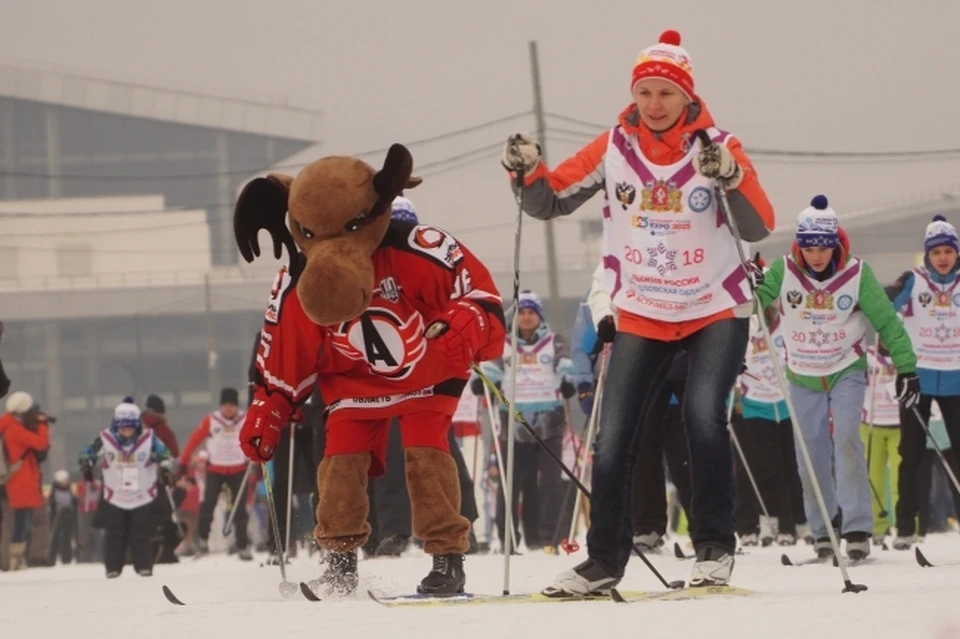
{"type": "Point", "coordinates": [24, 435]}
{"type": "Point", "coordinates": [155, 417]}
{"type": "Point", "coordinates": [385, 317]}
{"type": "Point", "coordinates": [221, 430]}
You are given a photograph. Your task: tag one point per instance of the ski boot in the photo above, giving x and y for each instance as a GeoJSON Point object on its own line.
{"type": "Point", "coordinates": [392, 546]}
{"type": "Point", "coordinates": [649, 542]}
{"type": "Point", "coordinates": [786, 539]}
{"type": "Point", "coordinates": [823, 548]}
{"type": "Point", "coordinates": [769, 527]}
{"type": "Point", "coordinates": [750, 539]}
{"type": "Point", "coordinates": [858, 545]}
{"type": "Point", "coordinates": [340, 579]}
{"type": "Point", "coordinates": [446, 577]}
{"type": "Point", "coordinates": [588, 579]}
{"type": "Point", "coordinates": [903, 542]}
{"type": "Point", "coordinates": [145, 572]}
{"type": "Point", "coordinates": [244, 554]}
{"type": "Point", "coordinates": [803, 532]}
{"type": "Point", "coordinates": [713, 566]}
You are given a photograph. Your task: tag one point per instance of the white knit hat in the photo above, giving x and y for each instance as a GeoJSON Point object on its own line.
{"type": "Point", "coordinates": [19, 403]}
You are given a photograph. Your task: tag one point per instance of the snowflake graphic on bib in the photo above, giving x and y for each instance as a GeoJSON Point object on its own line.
{"type": "Point", "coordinates": [661, 259]}
{"type": "Point", "coordinates": [819, 337]}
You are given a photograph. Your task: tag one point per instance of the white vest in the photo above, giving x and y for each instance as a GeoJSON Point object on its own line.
{"type": "Point", "coordinates": [883, 380]}
{"type": "Point", "coordinates": [468, 408]}
{"type": "Point", "coordinates": [822, 324]}
{"type": "Point", "coordinates": [667, 254]}
{"type": "Point", "coordinates": [930, 318]}
{"type": "Point", "coordinates": [536, 374]}
{"type": "Point", "coordinates": [759, 382]}
{"type": "Point", "coordinates": [224, 443]}
{"type": "Point", "coordinates": [129, 475]}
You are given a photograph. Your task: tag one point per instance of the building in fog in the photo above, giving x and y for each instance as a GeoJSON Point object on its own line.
{"type": "Point", "coordinates": [118, 269]}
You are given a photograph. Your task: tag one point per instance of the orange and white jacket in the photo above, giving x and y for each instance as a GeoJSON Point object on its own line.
{"type": "Point", "coordinates": [552, 193]}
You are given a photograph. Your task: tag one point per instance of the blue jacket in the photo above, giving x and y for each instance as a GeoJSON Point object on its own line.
{"type": "Point", "coordinates": [932, 382]}
{"type": "Point", "coordinates": [584, 346]}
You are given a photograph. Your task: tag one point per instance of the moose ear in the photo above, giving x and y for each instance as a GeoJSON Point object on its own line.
{"type": "Point", "coordinates": [413, 182]}
{"type": "Point", "coordinates": [262, 205]}
{"type": "Point", "coordinates": [388, 182]}
{"type": "Point", "coordinates": [395, 174]}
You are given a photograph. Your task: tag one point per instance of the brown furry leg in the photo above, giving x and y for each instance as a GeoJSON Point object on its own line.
{"type": "Point", "coordinates": [342, 509]}
{"type": "Point", "coordinates": [435, 501]}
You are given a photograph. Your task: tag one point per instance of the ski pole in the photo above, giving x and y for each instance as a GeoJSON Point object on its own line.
{"type": "Point", "coordinates": [569, 473]}
{"type": "Point", "coordinates": [724, 203]}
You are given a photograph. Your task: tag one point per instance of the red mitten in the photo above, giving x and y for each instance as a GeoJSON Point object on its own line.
{"type": "Point", "coordinates": [466, 331]}
{"type": "Point", "coordinates": [266, 418]}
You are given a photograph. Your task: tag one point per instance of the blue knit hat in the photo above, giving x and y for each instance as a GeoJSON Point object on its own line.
{"type": "Point", "coordinates": [817, 225]}
{"type": "Point", "coordinates": [403, 210]}
{"type": "Point", "coordinates": [940, 233]}
{"type": "Point", "coordinates": [531, 301]}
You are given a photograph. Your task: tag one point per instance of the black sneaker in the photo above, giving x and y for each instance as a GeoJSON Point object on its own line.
{"type": "Point", "coordinates": [446, 577]}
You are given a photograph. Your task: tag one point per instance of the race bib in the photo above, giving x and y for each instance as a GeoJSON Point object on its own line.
{"type": "Point", "coordinates": [130, 478]}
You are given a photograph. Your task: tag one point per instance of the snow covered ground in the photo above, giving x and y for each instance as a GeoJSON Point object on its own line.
{"type": "Point", "coordinates": [227, 598]}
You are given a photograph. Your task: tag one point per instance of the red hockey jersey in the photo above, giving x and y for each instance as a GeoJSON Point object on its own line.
{"type": "Point", "coordinates": [380, 364]}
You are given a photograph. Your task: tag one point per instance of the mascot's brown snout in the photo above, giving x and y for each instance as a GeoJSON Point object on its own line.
{"type": "Point", "coordinates": [339, 213]}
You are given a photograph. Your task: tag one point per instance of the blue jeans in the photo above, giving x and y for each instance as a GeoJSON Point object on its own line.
{"type": "Point", "coordinates": [637, 370]}
{"type": "Point", "coordinates": [839, 461]}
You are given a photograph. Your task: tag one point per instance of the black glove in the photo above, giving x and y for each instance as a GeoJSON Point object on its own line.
{"type": "Point", "coordinates": [908, 389]}
{"type": "Point", "coordinates": [567, 389]}
{"type": "Point", "coordinates": [87, 471]}
{"type": "Point", "coordinates": [476, 386]}
{"type": "Point", "coordinates": [585, 397]}
{"type": "Point", "coordinates": [606, 329]}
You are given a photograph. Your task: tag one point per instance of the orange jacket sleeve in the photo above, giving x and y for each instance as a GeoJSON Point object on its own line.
{"type": "Point", "coordinates": [548, 194]}
{"type": "Point", "coordinates": [200, 433]}
{"type": "Point", "coordinates": [749, 203]}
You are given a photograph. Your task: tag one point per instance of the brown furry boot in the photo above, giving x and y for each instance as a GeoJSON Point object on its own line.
{"type": "Point", "coordinates": [435, 503]}
{"type": "Point", "coordinates": [341, 520]}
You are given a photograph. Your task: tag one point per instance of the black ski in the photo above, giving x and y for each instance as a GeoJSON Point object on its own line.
{"type": "Point", "coordinates": [308, 593]}
{"type": "Point", "coordinates": [172, 598]}
{"type": "Point", "coordinates": [785, 560]}
{"type": "Point", "coordinates": [922, 560]}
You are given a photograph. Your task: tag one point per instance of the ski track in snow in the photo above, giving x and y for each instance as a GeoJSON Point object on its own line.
{"type": "Point", "coordinates": [227, 598]}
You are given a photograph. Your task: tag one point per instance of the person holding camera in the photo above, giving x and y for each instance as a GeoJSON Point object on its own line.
{"type": "Point", "coordinates": [25, 435]}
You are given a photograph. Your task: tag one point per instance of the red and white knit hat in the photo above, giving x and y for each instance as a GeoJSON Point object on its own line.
{"type": "Point", "coordinates": [666, 60]}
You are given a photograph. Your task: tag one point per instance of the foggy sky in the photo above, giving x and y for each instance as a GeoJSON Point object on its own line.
{"type": "Point", "coordinates": [841, 75]}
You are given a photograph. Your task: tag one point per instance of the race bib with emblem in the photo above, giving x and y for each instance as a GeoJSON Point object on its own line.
{"type": "Point", "coordinates": [930, 318]}
{"type": "Point", "coordinates": [823, 328]}
{"type": "Point", "coordinates": [667, 252]}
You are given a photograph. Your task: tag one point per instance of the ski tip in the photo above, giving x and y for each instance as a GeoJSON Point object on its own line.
{"type": "Point", "coordinates": [785, 560]}
{"type": "Point", "coordinates": [309, 594]}
{"type": "Point", "coordinates": [172, 598]}
{"type": "Point", "coordinates": [921, 559]}
{"type": "Point", "coordinates": [678, 551]}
